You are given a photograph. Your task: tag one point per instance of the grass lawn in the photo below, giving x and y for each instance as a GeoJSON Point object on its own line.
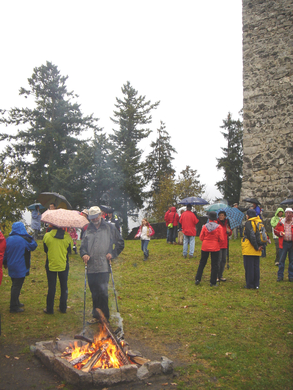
{"type": "Point", "coordinates": [226, 337]}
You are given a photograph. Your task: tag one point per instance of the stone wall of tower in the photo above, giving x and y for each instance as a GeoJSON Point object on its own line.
{"type": "Point", "coordinates": [268, 102]}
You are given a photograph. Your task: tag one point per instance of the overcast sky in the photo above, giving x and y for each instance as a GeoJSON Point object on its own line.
{"type": "Point", "coordinates": [186, 54]}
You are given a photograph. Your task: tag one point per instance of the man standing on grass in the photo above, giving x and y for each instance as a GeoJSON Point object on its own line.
{"type": "Point", "coordinates": [188, 222]}
{"type": "Point", "coordinates": [101, 243]}
{"type": "Point", "coordinates": [284, 230]}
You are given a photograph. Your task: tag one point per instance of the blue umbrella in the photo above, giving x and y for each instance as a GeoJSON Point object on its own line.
{"type": "Point", "coordinates": [216, 207]}
{"type": "Point", "coordinates": [193, 201]}
{"type": "Point", "coordinates": [234, 215]}
{"type": "Point", "coordinates": [33, 206]}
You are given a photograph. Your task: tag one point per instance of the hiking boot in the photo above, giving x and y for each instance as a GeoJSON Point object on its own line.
{"type": "Point", "coordinates": [279, 279]}
{"type": "Point", "coordinates": [197, 282]}
{"type": "Point", "coordinates": [214, 285]}
{"type": "Point", "coordinates": [276, 263]}
{"type": "Point", "coordinates": [185, 256]}
{"type": "Point", "coordinates": [191, 256]}
{"type": "Point", "coordinates": [17, 310]}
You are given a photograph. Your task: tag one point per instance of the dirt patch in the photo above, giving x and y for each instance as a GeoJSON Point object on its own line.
{"type": "Point", "coordinates": [21, 370]}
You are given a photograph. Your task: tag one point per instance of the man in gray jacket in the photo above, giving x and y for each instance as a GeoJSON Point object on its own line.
{"type": "Point", "coordinates": [100, 244]}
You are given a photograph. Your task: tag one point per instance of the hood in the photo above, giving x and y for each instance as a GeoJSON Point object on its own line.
{"type": "Point", "coordinates": [278, 210]}
{"type": "Point", "coordinates": [211, 226]}
{"type": "Point", "coordinates": [18, 228]}
{"type": "Point", "coordinates": [223, 223]}
{"type": "Point", "coordinates": [173, 210]}
{"type": "Point", "coordinates": [255, 219]}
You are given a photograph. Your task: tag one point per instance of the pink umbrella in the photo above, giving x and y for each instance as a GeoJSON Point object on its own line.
{"type": "Point", "coordinates": [62, 218]}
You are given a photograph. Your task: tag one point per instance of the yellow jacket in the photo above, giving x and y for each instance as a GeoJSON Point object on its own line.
{"type": "Point", "coordinates": [251, 239]}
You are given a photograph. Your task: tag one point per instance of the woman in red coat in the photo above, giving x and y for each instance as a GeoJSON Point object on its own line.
{"type": "Point", "coordinates": [211, 237]}
{"type": "Point", "coordinates": [226, 232]}
{"type": "Point", "coordinates": [173, 218]}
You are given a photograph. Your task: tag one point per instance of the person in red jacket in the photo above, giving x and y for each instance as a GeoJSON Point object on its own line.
{"type": "Point", "coordinates": [172, 218]}
{"type": "Point", "coordinates": [188, 222]}
{"type": "Point", "coordinates": [166, 219]}
{"type": "Point", "coordinates": [226, 232]}
{"type": "Point", "coordinates": [284, 230]}
{"type": "Point", "coordinates": [2, 251]}
{"type": "Point", "coordinates": [211, 237]}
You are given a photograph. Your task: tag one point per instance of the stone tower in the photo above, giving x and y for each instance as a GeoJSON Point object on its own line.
{"type": "Point", "coordinates": [268, 102]}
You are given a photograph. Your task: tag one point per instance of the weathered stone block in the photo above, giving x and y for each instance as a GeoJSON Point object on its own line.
{"type": "Point", "coordinates": [71, 374]}
{"type": "Point", "coordinates": [129, 373]}
{"type": "Point", "coordinates": [108, 377]}
{"type": "Point", "coordinates": [143, 372]}
{"type": "Point", "coordinates": [167, 365]}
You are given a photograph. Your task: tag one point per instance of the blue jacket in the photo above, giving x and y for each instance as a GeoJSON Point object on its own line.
{"type": "Point", "coordinates": [19, 244]}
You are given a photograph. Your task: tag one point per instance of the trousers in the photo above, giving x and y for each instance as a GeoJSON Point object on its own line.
{"type": "Point", "coordinates": [214, 265]}
{"type": "Point", "coordinates": [98, 284]}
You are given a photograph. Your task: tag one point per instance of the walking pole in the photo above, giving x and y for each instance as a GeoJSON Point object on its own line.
{"type": "Point", "coordinates": [85, 273]}
{"type": "Point", "coordinates": [114, 286]}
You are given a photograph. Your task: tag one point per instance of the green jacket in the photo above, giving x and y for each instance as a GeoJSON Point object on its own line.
{"type": "Point", "coordinates": [276, 219]}
{"type": "Point", "coordinates": [57, 245]}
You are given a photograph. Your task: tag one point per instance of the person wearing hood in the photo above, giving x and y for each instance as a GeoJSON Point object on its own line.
{"type": "Point", "coordinates": [2, 251]}
{"type": "Point", "coordinates": [212, 239]}
{"type": "Point", "coordinates": [226, 232]}
{"type": "Point", "coordinates": [251, 249]}
{"type": "Point", "coordinates": [284, 230]}
{"type": "Point", "coordinates": [17, 257]}
{"type": "Point", "coordinates": [172, 221]}
{"type": "Point", "coordinates": [57, 245]}
{"type": "Point", "coordinates": [274, 221]}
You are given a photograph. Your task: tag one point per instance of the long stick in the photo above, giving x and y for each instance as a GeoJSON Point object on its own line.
{"type": "Point", "coordinates": [114, 287]}
{"type": "Point", "coordinates": [85, 273]}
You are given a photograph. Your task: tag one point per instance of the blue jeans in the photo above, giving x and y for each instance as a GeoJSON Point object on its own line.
{"type": "Point", "coordinates": [287, 248]}
{"type": "Point", "coordinates": [188, 240]}
{"type": "Point", "coordinates": [144, 247]}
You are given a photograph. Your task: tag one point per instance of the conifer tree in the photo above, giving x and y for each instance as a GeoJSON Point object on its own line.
{"type": "Point", "coordinates": [159, 161]}
{"type": "Point", "coordinates": [132, 115]}
{"type": "Point", "coordinates": [231, 163]}
{"type": "Point", "coordinates": [46, 137]}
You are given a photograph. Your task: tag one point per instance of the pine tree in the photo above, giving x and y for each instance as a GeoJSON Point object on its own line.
{"type": "Point", "coordinates": [231, 163]}
{"type": "Point", "coordinates": [159, 161]}
{"type": "Point", "coordinates": [132, 115]}
{"type": "Point", "coordinates": [46, 138]}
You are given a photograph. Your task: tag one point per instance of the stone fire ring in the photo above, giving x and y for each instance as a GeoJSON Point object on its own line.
{"type": "Point", "coordinates": [49, 352]}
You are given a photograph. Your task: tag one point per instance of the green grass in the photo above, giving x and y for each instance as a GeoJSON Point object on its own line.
{"type": "Point", "coordinates": [225, 337]}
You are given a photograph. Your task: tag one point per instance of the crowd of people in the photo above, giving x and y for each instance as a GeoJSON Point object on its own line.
{"type": "Point", "coordinates": [101, 242]}
{"type": "Point", "coordinates": [215, 235]}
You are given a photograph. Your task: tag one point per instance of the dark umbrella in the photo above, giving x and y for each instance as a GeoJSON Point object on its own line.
{"type": "Point", "coordinates": [192, 200]}
{"type": "Point", "coordinates": [287, 201]}
{"type": "Point", "coordinates": [46, 198]}
{"type": "Point", "coordinates": [106, 209]}
{"type": "Point", "coordinates": [33, 206]}
{"type": "Point", "coordinates": [251, 200]}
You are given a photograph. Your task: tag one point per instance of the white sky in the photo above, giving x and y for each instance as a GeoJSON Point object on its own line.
{"type": "Point", "coordinates": [186, 54]}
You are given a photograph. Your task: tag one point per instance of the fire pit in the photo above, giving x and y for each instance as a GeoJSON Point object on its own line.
{"type": "Point", "coordinates": [104, 360]}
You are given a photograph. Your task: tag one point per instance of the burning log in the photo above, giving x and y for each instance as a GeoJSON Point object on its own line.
{"type": "Point", "coordinates": [93, 360]}
{"type": "Point", "coordinates": [83, 338]}
{"type": "Point", "coordinates": [79, 359]}
{"type": "Point", "coordinates": [122, 357]}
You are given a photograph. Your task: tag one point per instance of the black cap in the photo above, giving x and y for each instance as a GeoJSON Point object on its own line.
{"type": "Point", "coordinates": [212, 215]}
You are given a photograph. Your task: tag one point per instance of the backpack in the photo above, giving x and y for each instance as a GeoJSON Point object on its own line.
{"type": "Point", "coordinates": [262, 232]}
